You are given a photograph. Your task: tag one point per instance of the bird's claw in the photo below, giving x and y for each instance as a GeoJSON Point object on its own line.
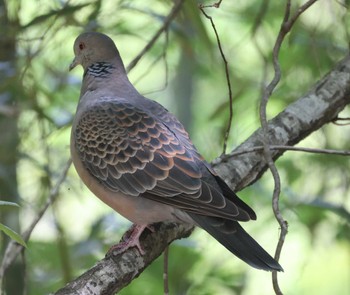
{"type": "Point", "coordinates": [130, 239]}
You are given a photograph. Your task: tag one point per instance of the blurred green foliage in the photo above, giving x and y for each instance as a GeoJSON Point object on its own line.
{"type": "Point", "coordinates": [5, 229]}
{"type": "Point", "coordinates": [183, 71]}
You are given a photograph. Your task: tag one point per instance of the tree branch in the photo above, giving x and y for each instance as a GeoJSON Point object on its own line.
{"type": "Point", "coordinates": [113, 273]}
{"type": "Point", "coordinates": [310, 112]}
{"type": "Point", "coordinates": [175, 10]}
{"type": "Point", "coordinates": [13, 249]}
{"type": "Point", "coordinates": [227, 72]}
{"type": "Point", "coordinates": [318, 107]}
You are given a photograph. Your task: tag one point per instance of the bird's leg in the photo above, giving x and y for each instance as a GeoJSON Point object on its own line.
{"type": "Point", "coordinates": [130, 239]}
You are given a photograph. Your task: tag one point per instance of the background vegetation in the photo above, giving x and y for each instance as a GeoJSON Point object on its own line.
{"type": "Point", "coordinates": [185, 72]}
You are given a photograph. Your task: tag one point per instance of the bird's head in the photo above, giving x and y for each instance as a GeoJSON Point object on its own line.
{"type": "Point", "coordinates": [93, 47]}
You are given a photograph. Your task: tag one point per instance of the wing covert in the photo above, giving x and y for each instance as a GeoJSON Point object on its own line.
{"type": "Point", "coordinates": [129, 150]}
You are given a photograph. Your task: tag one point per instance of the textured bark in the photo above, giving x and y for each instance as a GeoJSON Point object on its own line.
{"type": "Point", "coordinates": [317, 108]}
{"type": "Point", "coordinates": [114, 272]}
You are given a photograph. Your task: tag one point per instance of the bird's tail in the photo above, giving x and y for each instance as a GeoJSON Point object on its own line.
{"type": "Point", "coordinates": [231, 235]}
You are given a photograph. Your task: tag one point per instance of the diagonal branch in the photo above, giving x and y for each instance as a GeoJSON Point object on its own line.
{"type": "Point", "coordinates": [113, 273]}
{"type": "Point", "coordinates": [320, 106]}
{"type": "Point", "coordinates": [13, 249]}
{"type": "Point", "coordinates": [173, 13]}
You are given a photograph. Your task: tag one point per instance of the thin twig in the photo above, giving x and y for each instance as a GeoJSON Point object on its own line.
{"type": "Point", "coordinates": [310, 150]}
{"type": "Point", "coordinates": [263, 119]}
{"type": "Point", "coordinates": [13, 248]}
{"type": "Point", "coordinates": [163, 28]}
{"type": "Point", "coordinates": [227, 72]}
{"type": "Point", "coordinates": [224, 158]}
{"type": "Point", "coordinates": [286, 26]}
{"type": "Point", "coordinates": [162, 56]}
{"type": "Point", "coordinates": [215, 5]}
{"type": "Point", "coordinates": [335, 121]}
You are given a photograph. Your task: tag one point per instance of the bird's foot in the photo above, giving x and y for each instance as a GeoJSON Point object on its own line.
{"type": "Point", "coordinates": [130, 239]}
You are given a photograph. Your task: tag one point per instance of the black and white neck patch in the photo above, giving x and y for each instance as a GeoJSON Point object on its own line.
{"type": "Point", "coordinates": [99, 69]}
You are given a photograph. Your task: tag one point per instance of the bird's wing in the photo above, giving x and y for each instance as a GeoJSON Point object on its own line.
{"type": "Point", "coordinates": [130, 150]}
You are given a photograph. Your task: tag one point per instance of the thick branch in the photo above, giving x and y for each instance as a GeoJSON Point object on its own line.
{"type": "Point", "coordinates": [320, 106]}
{"type": "Point", "coordinates": [113, 273]}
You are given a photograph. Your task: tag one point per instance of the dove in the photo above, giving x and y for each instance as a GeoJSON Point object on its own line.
{"type": "Point", "coordinates": [136, 157]}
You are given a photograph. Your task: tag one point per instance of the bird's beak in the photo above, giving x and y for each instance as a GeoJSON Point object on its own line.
{"type": "Point", "coordinates": [74, 63]}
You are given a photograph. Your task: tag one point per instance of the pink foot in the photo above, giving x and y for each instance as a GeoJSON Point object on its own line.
{"type": "Point", "coordinates": [130, 239]}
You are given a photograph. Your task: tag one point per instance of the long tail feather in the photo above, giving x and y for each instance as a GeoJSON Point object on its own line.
{"type": "Point", "coordinates": [231, 235]}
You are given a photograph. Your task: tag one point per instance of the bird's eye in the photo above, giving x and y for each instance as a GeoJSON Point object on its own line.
{"type": "Point", "coordinates": [81, 46]}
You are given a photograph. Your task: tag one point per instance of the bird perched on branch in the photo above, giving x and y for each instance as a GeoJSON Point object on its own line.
{"type": "Point", "coordinates": [137, 158]}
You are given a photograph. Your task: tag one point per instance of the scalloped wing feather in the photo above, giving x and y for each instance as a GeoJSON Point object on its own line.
{"type": "Point", "coordinates": [129, 149]}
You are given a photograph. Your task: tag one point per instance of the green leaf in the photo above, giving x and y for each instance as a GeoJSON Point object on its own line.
{"type": "Point", "coordinates": [10, 204]}
{"type": "Point", "coordinates": [12, 234]}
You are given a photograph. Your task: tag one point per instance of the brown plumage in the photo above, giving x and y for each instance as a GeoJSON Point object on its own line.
{"type": "Point", "coordinates": [137, 157]}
